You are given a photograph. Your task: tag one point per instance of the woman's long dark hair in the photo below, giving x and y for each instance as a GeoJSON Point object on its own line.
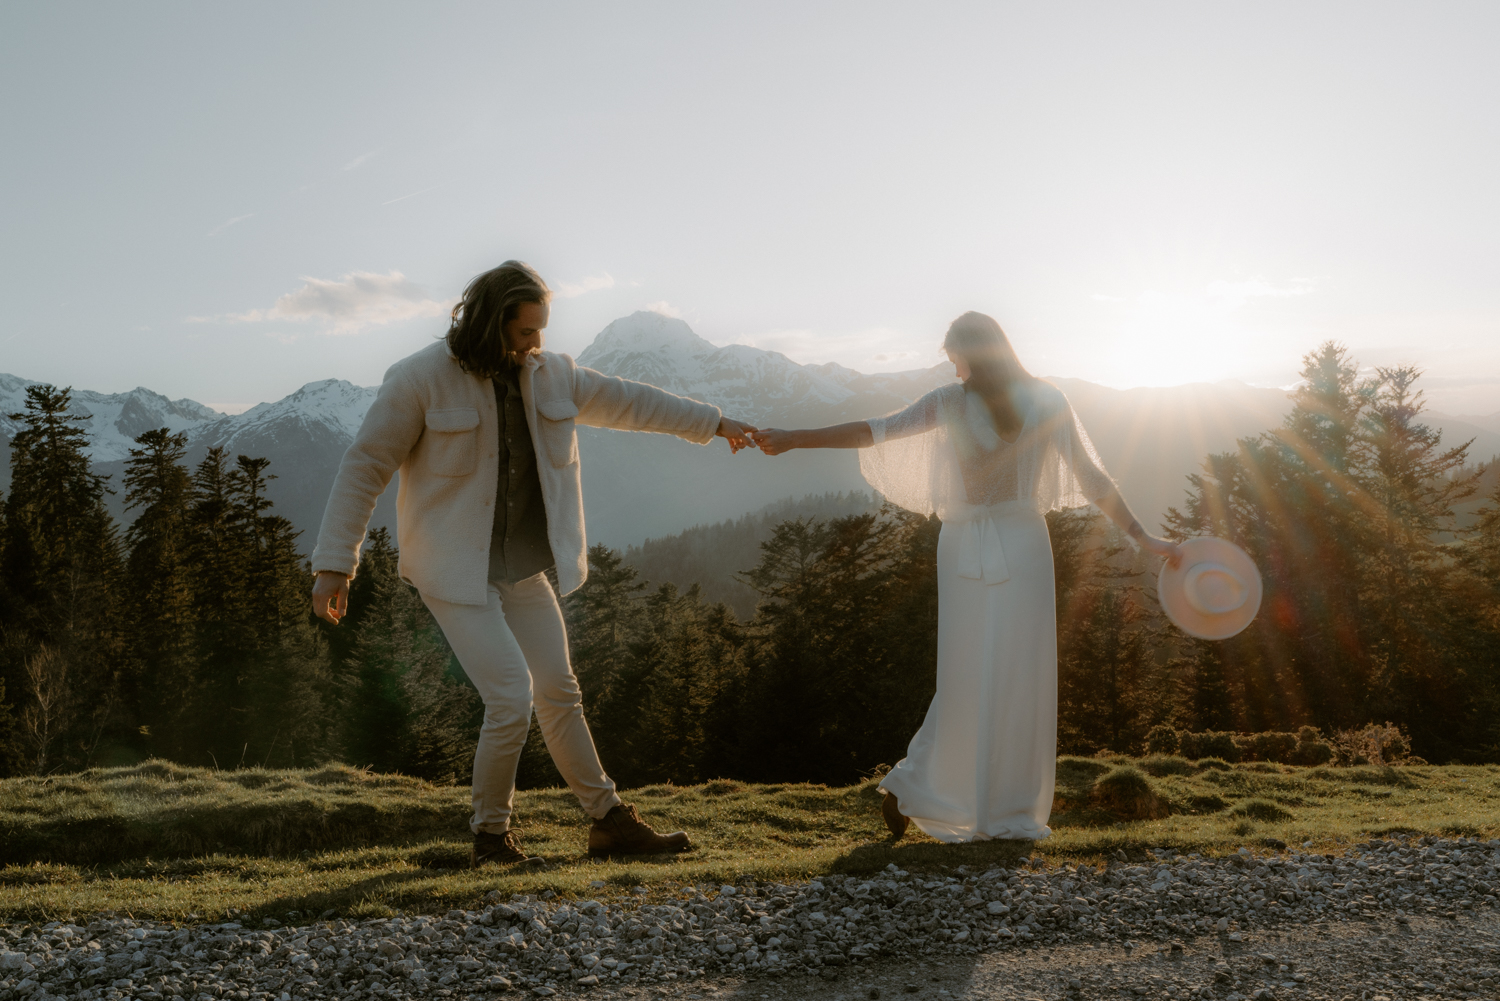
{"type": "Point", "coordinates": [477, 335]}
{"type": "Point", "coordinates": [996, 374]}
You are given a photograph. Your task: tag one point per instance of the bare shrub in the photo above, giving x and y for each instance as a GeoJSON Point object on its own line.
{"type": "Point", "coordinates": [1372, 744]}
{"type": "Point", "coordinates": [51, 690]}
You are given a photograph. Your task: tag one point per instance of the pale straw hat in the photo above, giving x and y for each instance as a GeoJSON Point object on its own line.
{"type": "Point", "coordinates": [1214, 592]}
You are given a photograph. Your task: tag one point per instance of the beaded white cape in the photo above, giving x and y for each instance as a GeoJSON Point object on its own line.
{"type": "Point", "coordinates": [942, 454]}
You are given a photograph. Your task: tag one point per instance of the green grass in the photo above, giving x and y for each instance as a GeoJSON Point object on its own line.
{"type": "Point", "coordinates": [159, 840]}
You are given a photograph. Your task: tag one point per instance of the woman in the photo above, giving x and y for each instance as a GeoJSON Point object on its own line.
{"type": "Point", "coordinates": [991, 455]}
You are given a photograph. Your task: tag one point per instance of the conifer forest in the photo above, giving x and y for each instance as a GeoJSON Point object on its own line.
{"type": "Point", "coordinates": [186, 634]}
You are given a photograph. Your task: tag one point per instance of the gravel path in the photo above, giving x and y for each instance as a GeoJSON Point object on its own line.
{"type": "Point", "coordinates": [1392, 919]}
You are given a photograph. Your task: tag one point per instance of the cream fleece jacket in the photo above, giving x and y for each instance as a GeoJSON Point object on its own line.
{"type": "Point", "coordinates": [438, 426]}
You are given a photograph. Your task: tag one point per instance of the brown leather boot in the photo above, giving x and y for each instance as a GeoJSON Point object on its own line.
{"type": "Point", "coordinates": [621, 831]}
{"type": "Point", "coordinates": [500, 849]}
{"type": "Point", "coordinates": [894, 818]}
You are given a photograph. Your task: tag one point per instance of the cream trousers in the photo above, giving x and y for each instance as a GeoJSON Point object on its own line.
{"type": "Point", "coordinates": [514, 649]}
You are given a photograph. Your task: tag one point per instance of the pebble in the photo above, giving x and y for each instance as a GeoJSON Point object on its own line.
{"type": "Point", "coordinates": [546, 945]}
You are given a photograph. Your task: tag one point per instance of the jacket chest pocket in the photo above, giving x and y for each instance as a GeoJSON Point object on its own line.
{"type": "Point", "coordinates": [452, 442]}
{"type": "Point", "coordinates": [558, 431]}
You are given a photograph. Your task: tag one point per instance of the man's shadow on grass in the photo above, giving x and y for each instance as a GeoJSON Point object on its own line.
{"type": "Point", "coordinates": [381, 895]}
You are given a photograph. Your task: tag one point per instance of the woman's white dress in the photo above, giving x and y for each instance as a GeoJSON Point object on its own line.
{"type": "Point", "coordinates": [983, 763]}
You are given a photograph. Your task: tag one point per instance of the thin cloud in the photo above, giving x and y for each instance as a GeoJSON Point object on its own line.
{"type": "Point", "coordinates": [358, 161]}
{"type": "Point", "coordinates": [1253, 288]}
{"type": "Point", "coordinates": [664, 308]}
{"type": "Point", "coordinates": [414, 194]}
{"type": "Point", "coordinates": [349, 305]}
{"type": "Point", "coordinates": [593, 283]}
{"type": "Point", "coordinates": [221, 227]}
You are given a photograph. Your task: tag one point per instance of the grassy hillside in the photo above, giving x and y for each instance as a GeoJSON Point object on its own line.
{"type": "Point", "coordinates": [166, 841]}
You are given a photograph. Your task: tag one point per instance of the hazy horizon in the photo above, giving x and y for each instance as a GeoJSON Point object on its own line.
{"type": "Point", "coordinates": [226, 204]}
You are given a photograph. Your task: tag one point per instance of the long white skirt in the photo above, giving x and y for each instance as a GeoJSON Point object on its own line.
{"type": "Point", "coordinates": [984, 761]}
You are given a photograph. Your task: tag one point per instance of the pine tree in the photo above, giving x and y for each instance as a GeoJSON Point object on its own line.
{"type": "Point", "coordinates": [1413, 484]}
{"type": "Point", "coordinates": [283, 668]}
{"type": "Point", "coordinates": [159, 594]}
{"type": "Point", "coordinates": [604, 617]}
{"type": "Point", "coordinates": [262, 667]}
{"type": "Point", "coordinates": [219, 586]}
{"type": "Point", "coordinates": [61, 566]}
{"type": "Point", "coordinates": [662, 723]}
{"type": "Point", "coordinates": [61, 545]}
{"type": "Point", "coordinates": [1344, 509]}
{"type": "Point", "coordinates": [1110, 686]}
{"type": "Point", "coordinates": [832, 678]}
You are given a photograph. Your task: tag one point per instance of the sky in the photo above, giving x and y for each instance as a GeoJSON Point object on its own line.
{"type": "Point", "coordinates": [226, 202]}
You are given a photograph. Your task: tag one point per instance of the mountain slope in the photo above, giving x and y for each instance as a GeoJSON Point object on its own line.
{"type": "Point", "coordinates": [712, 555]}
{"type": "Point", "coordinates": [745, 382]}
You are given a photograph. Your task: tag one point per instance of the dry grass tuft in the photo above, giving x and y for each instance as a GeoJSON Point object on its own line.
{"type": "Point", "coordinates": [1127, 793]}
{"type": "Point", "coordinates": [1260, 809]}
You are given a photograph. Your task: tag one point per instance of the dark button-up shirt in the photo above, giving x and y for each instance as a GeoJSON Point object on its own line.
{"type": "Point", "coordinates": [518, 540]}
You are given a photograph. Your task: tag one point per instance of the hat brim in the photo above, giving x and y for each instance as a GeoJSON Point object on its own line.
{"type": "Point", "coordinates": [1173, 594]}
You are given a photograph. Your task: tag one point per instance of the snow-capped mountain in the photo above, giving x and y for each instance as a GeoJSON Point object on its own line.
{"type": "Point", "coordinates": [304, 435]}
{"type": "Point", "coordinates": [746, 382]}
{"type": "Point", "coordinates": [113, 420]}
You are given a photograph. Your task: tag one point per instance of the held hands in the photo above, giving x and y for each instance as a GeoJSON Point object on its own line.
{"type": "Point", "coordinates": [737, 433]}
{"type": "Point", "coordinates": [330, 596]}
{"type": "Point", "coordinates": [773, 441]}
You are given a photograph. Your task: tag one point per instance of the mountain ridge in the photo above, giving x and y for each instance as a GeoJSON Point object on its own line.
{"type": "Point", "coordinates": [639, 486]}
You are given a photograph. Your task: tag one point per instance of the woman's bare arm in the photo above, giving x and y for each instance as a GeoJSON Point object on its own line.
{"type": "Point", "coordinates": [1114, 507]}
{"type": "Point", "coordinates": [774, 441]}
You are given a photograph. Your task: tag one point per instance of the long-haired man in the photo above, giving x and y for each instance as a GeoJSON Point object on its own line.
{"type": "Point", "coordinates": [482, 427]}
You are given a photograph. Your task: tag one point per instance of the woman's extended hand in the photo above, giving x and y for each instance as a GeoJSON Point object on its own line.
{"type": "Point", "coordinates": [1171, 551]}
{"type": "Point", "coordinates": [330, 596]}
{"type": "Point", "coordinates": [737, 433]}
{"type": "Point", "coordinates": [774, 441]}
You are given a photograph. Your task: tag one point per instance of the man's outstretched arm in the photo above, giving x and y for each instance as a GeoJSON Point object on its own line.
{"type": "Point", "coordinates": [611, 402]}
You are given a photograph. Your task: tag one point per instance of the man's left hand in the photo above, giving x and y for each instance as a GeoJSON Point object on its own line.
{"type": "Point", "coordinates": [737, 433]}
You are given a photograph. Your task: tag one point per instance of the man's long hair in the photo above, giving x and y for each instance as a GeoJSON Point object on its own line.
{"type": "Point", "coordinates": [477, 335]}
{"type": "Point", "coordinates": [996, 374]}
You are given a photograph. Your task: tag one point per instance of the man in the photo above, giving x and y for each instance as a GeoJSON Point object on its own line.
{"type": "Point", "coordinates": [482, 428]}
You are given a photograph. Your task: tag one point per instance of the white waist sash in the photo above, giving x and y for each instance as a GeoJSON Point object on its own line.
{"type": "Point", "coordinates": [980, 553]}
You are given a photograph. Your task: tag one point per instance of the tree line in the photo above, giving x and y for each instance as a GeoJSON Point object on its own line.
{"type": "Point", "coordinates": [187, 635]}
